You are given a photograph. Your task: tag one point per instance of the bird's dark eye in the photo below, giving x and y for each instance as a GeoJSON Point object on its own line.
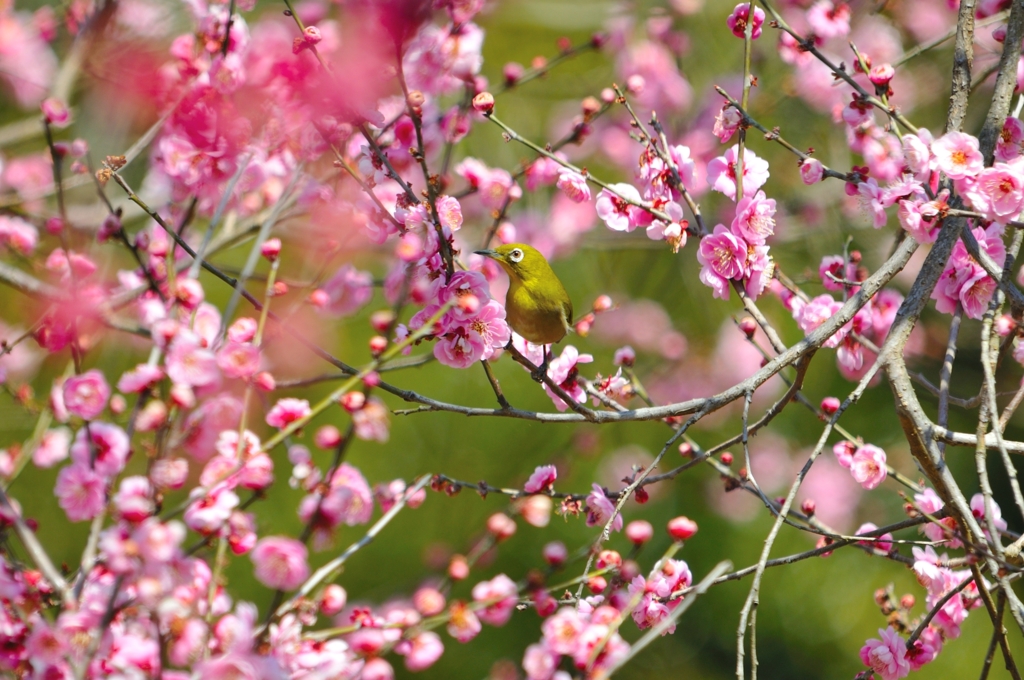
{"type": "Point", "coordinates": [516, 255]}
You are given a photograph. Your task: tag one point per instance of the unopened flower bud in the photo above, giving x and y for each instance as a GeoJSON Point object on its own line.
{"type": "Point", "coordinates": [312, 35]}
{"type": "Point", "coordinates": [512, 72]}
{"type": "Point", "coordinates": [881, 75]}
{"type": "Point", "coordinates": [56, 112]}
{"type": "Point", "coordinates": [808, 507]}
{"type": "Point", "coordinates": [280, 288]}
{"type": "Point", "coordinates": [538, 62]}
{"type": "Point", "coordinates": [624, 356]}
{"type": "Point", "coordinates": [635, 84]}
{"type": "Point", "coordinates": [353, 401]}
{"type": "Point", "coordinates": [111, 227]}
{"type": "Point", "coordinates": [907, 601]}
{"type": "Point", "coordinates": [428, 601]}
{"type": "Point", "coordinates": [1004, 325]}
{"type": "Point", "coordinates": [639, 531]}
{"type": "Point", "coordinates": [378, 344]}
{"type": "Point", "coordinates": [483, 103]}
{"type": "Point", "coordinates": [602, 304]}
{"type": "Point", "coordinates": [682, 528]}
{"type": "Point", "coordinates": [118, 404]}
{"type": "Point", "coordinates": [382, 319]}
{"type": "Point", "coordinates": [271, 248]}
{"type": "Point", "coordinates": [264, 381]}
{"type": "Point", "coordinates": [319, 298]}
{"type": "Point", "coordinates": [590, 106]}
{"type": "Point", "coordinates": [327, 437]}
{"type": "Point", "coordinates": [597, 584]}
{"type": "Point", "coordinates": [415, 99]}
{"type": "Point", "coordinates": [641, 496]}
{"type": "Point", "coordinates": [564, 44]}
{"type": "Point", "coordinates": [555, 553]}
{"type": "Point", "coordinates": [608, 95]}
{"type": "Point", "coordinates": [829, 405]}
{"type": "Point", "coordinates": [333, 600]}
{"type": "Point", "coordinates": [54, 225]}
{"type": "Point", "coordinates": [371, 379]}
{"type": "Point", "coordinates": [609, 558]}
{"type": "Point", "coordinates": [501, 526]}
{"type": "Point", "coordinates": [686, 449]}
{"type": "Point", "coordinates": [748, 326]}
{"type": "Point", "coordinates": [458, 568]}
{"type": "Point", "coordinates": [726, 458]}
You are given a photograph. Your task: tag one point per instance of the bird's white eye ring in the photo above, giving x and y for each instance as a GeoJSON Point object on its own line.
{"type": "Point", "coordinates": [516, 255]}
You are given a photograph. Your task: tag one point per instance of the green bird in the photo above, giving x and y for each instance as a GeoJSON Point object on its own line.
{"type": "Point", "coordinates": [537, 306]}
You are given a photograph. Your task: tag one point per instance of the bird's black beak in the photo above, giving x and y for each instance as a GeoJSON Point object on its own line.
{"type": "Point", "coordinates": [493, 254]}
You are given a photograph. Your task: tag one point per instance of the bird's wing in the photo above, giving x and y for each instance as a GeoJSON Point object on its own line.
{"type": "Point", "coordinates": [567, 312]}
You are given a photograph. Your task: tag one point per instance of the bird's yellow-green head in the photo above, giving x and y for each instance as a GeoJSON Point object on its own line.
{"type": "Point", "coordinates": [520, 261]}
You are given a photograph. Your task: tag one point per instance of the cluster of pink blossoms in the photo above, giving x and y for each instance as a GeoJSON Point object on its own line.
{"type": "Point", "coordinates": [889, 655]}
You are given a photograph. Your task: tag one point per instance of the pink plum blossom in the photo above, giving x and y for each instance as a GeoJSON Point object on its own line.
{"type": "Point", "coordinates": [371, 421]}
{"type": "Point", "coordinates": [600, 509]}
{"type": "Point", "coordinates": [998, 192]}
{"type": "Point", "coordinates": [574, 185]}
{"type": "Point", "coordinates": [80, 491]}
{"type": "Point", "coordinates": [722, 172]}
{"type": "Point", "coordinates": [563, 372]}
{"type": "Point", "coordinates": [287, 411]}
{"type": "Point", "coordinates": [208, 512]}
{"type": "Point", "coordinates": [829, 20]}
{"type": "Point", "coordinates": [86, 395]}
{"type": "Point", "coordinates": [816, 312]}
{"type": "Point", "coordinates": [139, 378]}
{"type": "Point", "coordinates": [722, 256]}
{"type": "Point", "coordinates": [881, 544]}
{"type": "Point", "coordinates": [868, 466]}
{"type": "Point", "coordinates": [423, 651]}
{"type": "Point", "coordinates": [104, 447]}
{"type": "Point", "coordinates": [872, 198]}
{"type": "Point", "coordinates": [728, 119]}
{"type": "Point", "coordinates": [957, 155]}
{"type": "Point", "coordinates": [543, 478]}
{"type": "Point", "coordinates": [737, 21]}
{"type": "Point", "coordinates": [500, 596]}
{"type": "Point", "coordinates": [755, 218]}
{"type": "Point", "coordinates": [463, 623]}
{"type": "Point", "coordinates": [917, 153]}
{"type": "Point", "coordinates": [190, 363]}
{"type": "Point", "coordinates": [52, 448]}
{"type": "Point", "coordinates": [811, 171]}
{"type": "Point", "coordinates": [617, 209]}
{"type": "Point", "coordinates": [18, 235]}
{"type": "Point", "coordinates": [886, 656]}
{"type": "Point", "coordinates": [280, 562]}
{"type": "Point", "coordinates": [450, 212]}
{"type": "Point", "coordinates": [134, 499]}
{"type": "Point", "coordinates": [347, 291]}
{"type": "Point", "coordinates": [1011, 140]}
{"type": "Point", "coordinates": [238, 360]}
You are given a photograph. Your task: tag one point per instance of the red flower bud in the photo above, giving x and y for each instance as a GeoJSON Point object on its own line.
{"type": "Point", "coordinates": [682, 528]}
{"type": "Point", "coordinates": [483, 103]}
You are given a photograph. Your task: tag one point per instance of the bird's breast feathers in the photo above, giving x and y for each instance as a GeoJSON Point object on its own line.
{"type": "Point", "coordinates": [535, 316]}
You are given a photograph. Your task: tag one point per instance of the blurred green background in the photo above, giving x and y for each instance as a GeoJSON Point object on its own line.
{"type": "Point", "coordinates": [814, 615]}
